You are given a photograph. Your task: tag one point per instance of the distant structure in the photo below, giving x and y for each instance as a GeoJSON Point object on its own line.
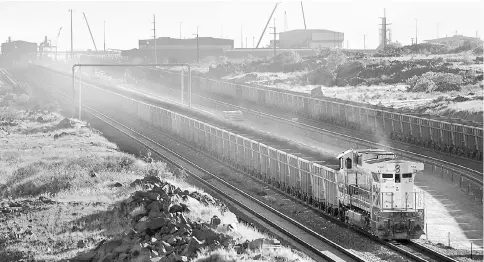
{"type": "Point", "coordinates": [384, 33]}
{"type": "Point", "coordinates": [174, 50]}
{"type": "Point", "coordinates": [310, 38]}
{"type": "Point", "coordinates": [18, 51]}
{"type": "Point", "coordinates": [453, 41]}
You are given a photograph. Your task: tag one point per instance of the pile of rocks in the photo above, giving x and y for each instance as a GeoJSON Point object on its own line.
{"type": "Point", "coordinates": [160, 230]}
{"type": "Point", "coordinates": [65, 123]}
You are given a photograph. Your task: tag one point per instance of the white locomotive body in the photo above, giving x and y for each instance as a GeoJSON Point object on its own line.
{"type": "Point", "coordinates": [376, 192]}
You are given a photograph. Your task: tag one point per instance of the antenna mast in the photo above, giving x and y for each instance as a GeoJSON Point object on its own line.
{"type": "Point", "coordinates": [304, 18]}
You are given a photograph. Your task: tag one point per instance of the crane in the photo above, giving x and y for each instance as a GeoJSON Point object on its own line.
{"type": "Point", "coordinates": [304, 18]}
{"type": "Point", "coordinates": [95, 47]}
{"type": "Point", "coordinates": [268, 21]}
{"type": "Point", "coordinates": [57, 42]}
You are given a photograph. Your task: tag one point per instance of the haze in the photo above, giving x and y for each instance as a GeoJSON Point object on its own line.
{"type": "Point", "coordinates": [127, 22]}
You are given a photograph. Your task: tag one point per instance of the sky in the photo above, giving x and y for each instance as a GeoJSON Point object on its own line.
{"type": "Point", "coordinates": [128, 21]}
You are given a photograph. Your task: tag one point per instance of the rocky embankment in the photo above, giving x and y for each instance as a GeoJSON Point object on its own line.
{"type": "Point", "coordinates": [161, 231]}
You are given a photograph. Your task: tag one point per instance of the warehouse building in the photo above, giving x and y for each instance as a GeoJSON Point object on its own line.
{"type": "Point", "coordinates": [18, 51]}
{"type": "Point", "coordinates": [174, 50]}
{"type": "Point", "coordinates": [310, 38]}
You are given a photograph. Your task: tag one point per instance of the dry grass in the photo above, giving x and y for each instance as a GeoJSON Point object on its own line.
{"type": "Point", "coordinates": [269, 255]}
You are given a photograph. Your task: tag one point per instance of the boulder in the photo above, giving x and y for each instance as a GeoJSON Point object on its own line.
{"type": "Point", "coordinates": [155, 214]}
{"type": "Point", "coordinates": [155, 205]}
{"type": "Point", "coordinates": [117, 184]}
{"type": "Point", "coordinates": [256, 244]}
{"type": "Point", "coordinates": [193, 246]}
{"type": "Point", "coordinates": [81, 244]}
{"type": "Point", "coordinates": [65, 123]}
{"type": "Point", "coordinates": [215, 222]}
{"type": "Point", "coordinates": [141, 226]}
{"type": "Point", "coordinates": [123, 248]}
{"type": "Point", "coordinates": [157, 223]}
{"type": "Point", "coordinates": [93, 173]}
{"type": "Point", "coordinates": [175, 208]}
{"type": "Point", "coordinates": [137, 182]}
{"type": "Point", "coordinates": [86, 256]}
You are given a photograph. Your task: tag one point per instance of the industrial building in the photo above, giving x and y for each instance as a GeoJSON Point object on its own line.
{"type": "Point", "coordinates": [18, 51]}
{"type": "Point", "coordinates": [453, 41]}
{"type": "Point", "coordinates": [174, 50]}
{"type": "Point", "coordinates": [310, 38]}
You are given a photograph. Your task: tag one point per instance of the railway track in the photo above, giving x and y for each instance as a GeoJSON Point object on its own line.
{"type": "Point", "coordinates": [412, 250]}
{"type": "Point", "coordinates": [420, 253]}
{"type": "Point", "coordinates": [316, 246]}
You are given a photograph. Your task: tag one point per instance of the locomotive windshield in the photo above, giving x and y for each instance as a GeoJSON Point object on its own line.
{"type": "Point", "coordinates": [385, 156]}
{"type": "Point", "coordinates": [376, 156]}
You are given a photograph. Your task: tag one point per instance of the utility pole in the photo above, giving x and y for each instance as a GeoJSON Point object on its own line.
{"type": "Point", "coordinates": [416, 41]}
{"type": "Point", "coordinates": [275, 35]}
{"type": "Point", "coordinates": [253, 41]}
{"type": "Point", "coordinates": [198, 49]}
{"type": "Point", "coordinates": [246, 42]}
{"type": "Point", "coordinates": [241, 37]}
{"type": "Point", "coordinates": [72, 38]}
{"type": "Point", "coordinates": [154, 38]}
{"type": "Point", "coordinates": [104, 36]}
{"type": "Point", "coordinates": [364, 41]}
{"type": "Point", "coordinates": [412, 40]}
{"type": "Point", "coordinates": [437, 30]}
{"type": "Point", "coordinates": [180, 29]}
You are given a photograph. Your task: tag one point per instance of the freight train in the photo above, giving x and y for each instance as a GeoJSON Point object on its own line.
{"type": "Point", "coordinates": [371, 189]}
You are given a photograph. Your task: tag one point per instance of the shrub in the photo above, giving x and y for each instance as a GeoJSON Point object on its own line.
{"type": "Point", "coordinates": [280, 61]}
{"type": "Point", "coordinates": [222, 59]}
{"type": "Point", "coordinates": [468, 45]}
{"type": "Point", "coordinates": [424, 85]}
{"type": "Point", "coordinates": [478, 50]}
{"type": "Point", "coordinates": [289, 57]}
{"type": "Point", "coordinates": [321, 76]}
{"type": "Point", "coordinates": [431, 81]}
{"type": "Point", "coordinates": [335, 59]}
